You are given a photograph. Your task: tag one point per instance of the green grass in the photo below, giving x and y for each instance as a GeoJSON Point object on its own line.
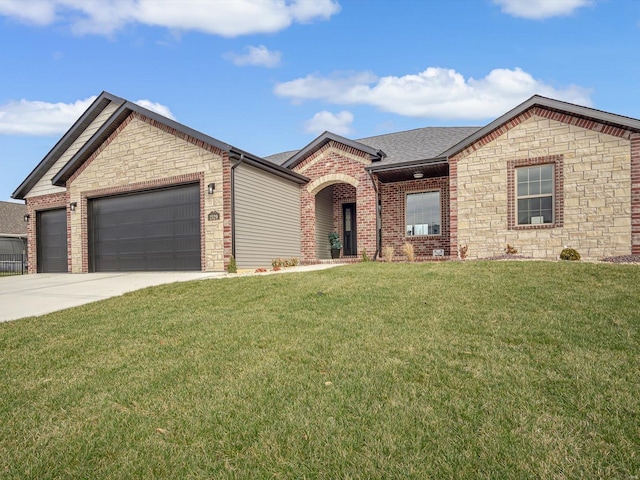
{"type": "Point", "coordinates": [447, 370]}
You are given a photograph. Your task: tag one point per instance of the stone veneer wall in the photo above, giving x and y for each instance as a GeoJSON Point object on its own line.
{"type": "Point", "coordinates": [393, 200]}
{"type": "Point", "coordinates": [144, 154]}
{"type": "Point", "coordinates": [40, 203]}
{"type": "Point", "coordinates": [333, 164]}
{"type": "Point", "coordinates": [595, 195]}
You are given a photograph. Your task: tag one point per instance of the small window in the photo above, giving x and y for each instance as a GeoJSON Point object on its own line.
{"type": "Point", "coordinates": [423, 213]}
{"type": "Point", "coordinates": [534, 193]}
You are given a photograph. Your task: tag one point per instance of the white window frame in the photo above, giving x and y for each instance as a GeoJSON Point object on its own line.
{"type": "Point", "coordinates": [518, 197]}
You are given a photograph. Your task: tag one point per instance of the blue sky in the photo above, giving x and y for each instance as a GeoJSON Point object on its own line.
{"type": "Point", "coordinates": [270, 75]}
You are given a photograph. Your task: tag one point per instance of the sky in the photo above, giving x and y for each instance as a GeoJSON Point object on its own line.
{"type": "Point", "coordinates": [269, 76]}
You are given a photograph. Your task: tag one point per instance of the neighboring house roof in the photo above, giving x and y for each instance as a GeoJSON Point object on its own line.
{"type": "Point", "coordinates": [12, 218]}
{"type": "Point", "coordinates": [125, 108]}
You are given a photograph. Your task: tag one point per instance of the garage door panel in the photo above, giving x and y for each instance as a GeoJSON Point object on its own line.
{"type": "Point", "coordinates": [51, 231]}
{"type": "Point", "coordinates": [147, 231]}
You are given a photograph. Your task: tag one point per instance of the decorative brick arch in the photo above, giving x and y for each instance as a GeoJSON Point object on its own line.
{"type": "Point", "coordinates": [319, 183]}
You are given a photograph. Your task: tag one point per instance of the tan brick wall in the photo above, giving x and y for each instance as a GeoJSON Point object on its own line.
{"type": "Point", "coordinates": [596, 191]}
{"type": "Point", "coordinates": [142, 156]}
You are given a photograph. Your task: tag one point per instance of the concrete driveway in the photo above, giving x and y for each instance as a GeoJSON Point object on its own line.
{"type": "Point", "coordinates": [37, 294]}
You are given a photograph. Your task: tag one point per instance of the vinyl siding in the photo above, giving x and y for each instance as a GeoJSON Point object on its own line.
{"type": "Point", "coordinates": [267, 217]}
{"type": "Point", "coordinates": [324, 222]}
{"type": "Point", "coordinates": [44, 186]}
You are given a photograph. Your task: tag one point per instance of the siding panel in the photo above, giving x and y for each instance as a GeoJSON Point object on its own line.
{"type": "Point", "coordinates": [324, 222]}
{"type": "Point", "coordinates": [267, 218]}
{"type": "Point", "coordinates": [44, 186]}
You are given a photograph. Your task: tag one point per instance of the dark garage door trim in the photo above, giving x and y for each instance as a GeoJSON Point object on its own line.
{"type": "Point", "coordinates": [146, 230]}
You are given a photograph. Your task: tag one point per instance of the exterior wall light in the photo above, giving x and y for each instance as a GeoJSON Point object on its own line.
{"type": "Point", "coordinates": [26, 217]}
{"type": "Point", "coordinates": [418, 175]}
{"type": "Point", "coordinates": [72, 206]}
{"type": "Point", "coordinates": [210, 188]}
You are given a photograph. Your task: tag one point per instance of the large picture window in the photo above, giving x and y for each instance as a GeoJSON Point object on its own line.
{"type": "Point", "coordinates": [534, 193]}
{"type": "Point", "coordinates": [423, 213]}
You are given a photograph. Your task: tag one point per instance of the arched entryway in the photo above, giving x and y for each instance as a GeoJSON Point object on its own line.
{"type": "Point", "coordinates": [336, 211]}
{"type": "Point", "coordinates": [338, 203]}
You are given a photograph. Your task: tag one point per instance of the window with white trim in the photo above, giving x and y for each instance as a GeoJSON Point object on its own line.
{"type": "Point", "coordinates": [423, 213]}
{"type": "Point", "coordinates": [535, 194]}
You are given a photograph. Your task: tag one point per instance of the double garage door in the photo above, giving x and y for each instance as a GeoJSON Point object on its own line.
{"type": "Point", "coordinates": [156, 230]}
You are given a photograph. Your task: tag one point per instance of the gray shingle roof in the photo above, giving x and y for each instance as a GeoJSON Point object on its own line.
{"type": "Point", "coordinates": [417, 144]}
{"type": "Point", "coordinates": [12, 218]}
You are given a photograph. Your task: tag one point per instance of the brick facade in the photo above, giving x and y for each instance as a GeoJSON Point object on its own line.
{"type": "Point", "coordinates": [38, 204]}
{"type": "Point", "coordinates": [393, 203]}
{"type": "Point", "coordinates": [596, 190]}
{"type": "Point", "coordinates": [144, 154]}
{"type": "Point", "coordinates": [342, 166]}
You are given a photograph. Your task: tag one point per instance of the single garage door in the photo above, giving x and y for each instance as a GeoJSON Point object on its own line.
{"type": "Point", "coordinates": [51, 231]}
{"type": "Point", "coordinates": [156, 230]}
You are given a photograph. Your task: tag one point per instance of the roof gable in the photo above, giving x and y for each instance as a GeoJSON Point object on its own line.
{"type": "Point", "coordinates": [49, 160]}
{"type": "Point", "coordinates": [112, 124]}
{"type": "Point", "coordinates": [325, 138]}
{"type": "Point", "coordinates": [584, 116]}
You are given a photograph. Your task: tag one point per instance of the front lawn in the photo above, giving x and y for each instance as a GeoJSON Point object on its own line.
{"type": "Point", "coordinates": [446, 370]}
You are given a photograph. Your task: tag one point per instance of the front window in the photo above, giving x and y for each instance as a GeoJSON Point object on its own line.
{"type": "Point", "coordinates": [534, 192]}
{"type": "Point", "coordinates": [423, 213]}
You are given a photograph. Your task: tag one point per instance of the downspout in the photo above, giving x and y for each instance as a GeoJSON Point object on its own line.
{"type": "Point", "coordinates": [378, 217]}
{"type": "Point", "coordinates": [233, 204]}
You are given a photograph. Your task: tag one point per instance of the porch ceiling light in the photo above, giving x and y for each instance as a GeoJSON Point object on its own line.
{"type": "Point", "coordinates": [210, 188]}
{"type": "Point", "coordinates": [417, 175]}
{"type": "Point", "coordinates": [72, 206]}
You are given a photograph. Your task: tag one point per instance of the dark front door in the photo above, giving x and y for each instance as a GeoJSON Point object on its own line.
{"type": "Point", "coordinates": [145, 231]}
{"type": "Point", "coordinates": [51, 231]}
{"type": "Point", "coordinates": [349, 228]}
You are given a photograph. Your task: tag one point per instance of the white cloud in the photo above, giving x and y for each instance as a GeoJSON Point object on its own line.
{"type": "Point", "coordinates": [434, 93]}
{"type": "Point", "coordinates": [541, 9]}
{"type": "Point", "coordinates": [259, 56]}
{"type": "Point", "coordinates": [156, 107]}
{"type": "Point", "coordinates": [38, 12]}
{"type": "Point", "coordinates": [34, 117]}
{"type": "Point", "coordinates": [225, 18]}
{"type": "Point", "coordinates": [339, 123]}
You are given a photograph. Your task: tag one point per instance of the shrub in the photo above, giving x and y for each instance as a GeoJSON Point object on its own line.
{"type": "Point", "coordinates": [334, 241]}
{"type": "Point", "coordinates": [407, 250]}
{"type": "Point", "coordinates": [510, 250]}
{"type": "Point", "coordinates": [463, 251]}
{"type": "Point", "coordinates": [569, 253]}
{"type": "Point", "coordinates": [275, 269]}
{"type": "Point", "coordinates": [365, 257]}
{"type": "Point", "coordinates": [285, 262]}
{"type": "Point", "coordinates": [261, 270]}
{"type": "Point", "coordinates": [388, 252]}
{"type": "Point", "coordinates": [233, 266]}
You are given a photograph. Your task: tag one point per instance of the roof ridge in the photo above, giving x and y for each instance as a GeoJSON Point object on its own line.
{"type": "Point", "coordinates": [418, 128]}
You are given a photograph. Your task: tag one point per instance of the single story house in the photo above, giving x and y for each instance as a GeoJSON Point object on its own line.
{"type": "Point", "coordinates": [128, 189]}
